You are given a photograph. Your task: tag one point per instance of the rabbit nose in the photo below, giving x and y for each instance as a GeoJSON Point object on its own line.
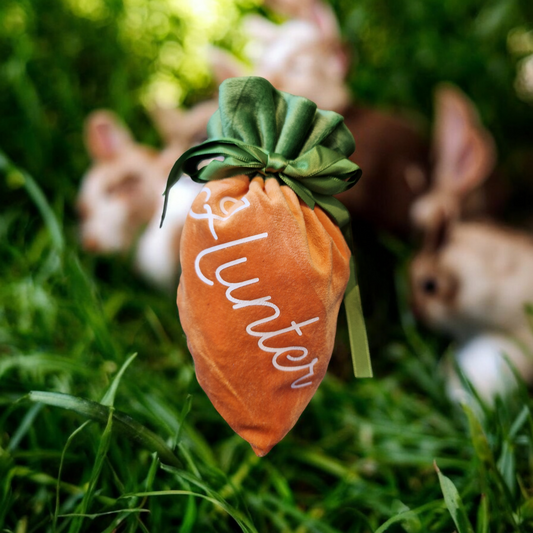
{"type": "Point", "coordinates": [429, 286]}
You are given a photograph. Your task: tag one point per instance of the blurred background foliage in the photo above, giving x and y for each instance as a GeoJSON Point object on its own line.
{"type": "Point", "coordinates": [403, 49]}
{"type": "Point", "coordinates": [68, 320]}
{"type": "Point", "coordinates": [59, 60]}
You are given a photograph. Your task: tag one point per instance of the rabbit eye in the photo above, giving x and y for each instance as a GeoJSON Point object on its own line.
{"type": "Point", "coordinates": [128, 185]}
{"type": "Point", "coordinates": [429, 286]}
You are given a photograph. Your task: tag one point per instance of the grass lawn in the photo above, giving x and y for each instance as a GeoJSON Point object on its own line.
{"type": "Point", "coordinates": [103, 426]}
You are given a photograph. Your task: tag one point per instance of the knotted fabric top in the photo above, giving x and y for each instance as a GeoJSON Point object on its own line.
{"type": "Point", "coordinates": [259, 130]}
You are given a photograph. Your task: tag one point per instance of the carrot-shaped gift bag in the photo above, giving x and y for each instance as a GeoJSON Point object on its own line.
{"type": "Point", "coordinates": [264, 265]}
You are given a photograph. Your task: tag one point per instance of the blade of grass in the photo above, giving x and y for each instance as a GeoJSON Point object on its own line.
{"type": "Point", "coordinates": [23, 428]}
{"type": "Point", "coordinates": [196, 481]}
{"type": "Point", "coordinates": [149, 482]}
{"type": "Point", "coordinates": [478, 437]}
{"type": "Point", "coordinates": [82, 289]}
{"type": "Point", "coordinates": [190, 516]}
{"type": "Point", "coordinates": [109, 396]}
{"type": "Point", "coordinates": [507, 466]}
{"type": "Point", "coordinates": [304, 519]}
{"type": "Point", "coordinates": [454, 503]}
{"type": "Point", "coordinates": [483, 516]}
{"type": "Point", "coordinates": [183, 414]}
{"type": "Point", "coordinates": [15, 174]}
{"type": "Point", "coordinates": [123, 422]}
{"type": "Point", "coordinates": [58, 485]}
{"type": "Point", "coordinates": [411, 524]}
{"type": "Point", "coordinates": [489, 466]}
{"type": "Point", "coordinates": [43, 363]}
{"type": "Point", "coordinates": [96, 515]}
{"type": "Point", "coordinates": [101, 454]}
{"type": "Point", "coordinates": [243, 522]}
{"type": "Point", "coordinates": [519, 422]}
{"type": "Point", "coordinates": [408, 515]}
{"type": "Point", "coordinates": [6, 474]}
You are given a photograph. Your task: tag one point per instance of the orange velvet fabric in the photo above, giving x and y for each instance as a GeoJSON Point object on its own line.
{"type": "Point", "coordinates": [263, 276]}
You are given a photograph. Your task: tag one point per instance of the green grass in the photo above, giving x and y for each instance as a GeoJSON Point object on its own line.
{"type": "Point", "coordinates": [108, 441]}
{"type": "Point", "coordinates": [93, 439]}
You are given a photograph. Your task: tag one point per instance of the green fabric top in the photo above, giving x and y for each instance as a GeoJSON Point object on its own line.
{"type": "Point", "coordinates": [254, 112]}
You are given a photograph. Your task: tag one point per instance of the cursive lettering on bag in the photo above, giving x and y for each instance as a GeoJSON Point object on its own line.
{"type": "Point", "coordinates": [263, 301]}
{"type": "Point", "coordinates": [211, 217]}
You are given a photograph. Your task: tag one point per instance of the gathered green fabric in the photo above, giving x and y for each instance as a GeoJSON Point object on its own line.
{"type": "Point", "coordinates": [258, 130]}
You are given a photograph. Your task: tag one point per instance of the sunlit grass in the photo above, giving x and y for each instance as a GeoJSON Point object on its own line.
{"type": "Point", "coordinates": [181, 31]}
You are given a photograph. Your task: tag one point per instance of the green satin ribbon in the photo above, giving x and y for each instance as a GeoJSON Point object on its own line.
{"type": "Point", "coordinates": [258, 130]}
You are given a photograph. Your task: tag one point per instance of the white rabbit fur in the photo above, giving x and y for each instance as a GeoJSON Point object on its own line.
{"type": "Point", "coordinates": [472, 279]}
{"type": "Point", "coordinates": [120, 199]}
{"type": "Point", "coordinates": [303, 57]}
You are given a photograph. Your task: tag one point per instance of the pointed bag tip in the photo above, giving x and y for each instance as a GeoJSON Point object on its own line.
{"type": "Point", "coordinates": [261, 452]}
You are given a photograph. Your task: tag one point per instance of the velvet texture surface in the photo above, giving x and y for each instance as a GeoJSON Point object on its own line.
{"type": "Point", "coordinates": [264, 268]}
{"type": "Point", "coordinates": [263, 276]}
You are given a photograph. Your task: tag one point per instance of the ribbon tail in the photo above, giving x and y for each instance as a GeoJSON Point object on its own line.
{"type": "Point", "coordinates": [362, 366]}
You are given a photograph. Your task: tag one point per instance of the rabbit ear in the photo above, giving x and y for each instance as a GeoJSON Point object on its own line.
{"type": "Point", "coordinates": [105, 135]}
{"type": "Point", "coordinates": [296, 9]}
{"type": "Point", "coordinates": [436, 234]}
{"type": "Point", "coordinates": [224, 65]}
{"type": "Point", "coordinates": [465, 151]}
{"type": "Point", "coordinates": [324, 17]}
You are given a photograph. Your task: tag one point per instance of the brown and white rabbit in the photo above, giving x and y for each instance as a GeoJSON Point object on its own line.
{"type": "Point", "coordinates": [472, 279]}
{"type": "Point", "coordinates": [305, 56]}
{"type": "Point", "coordinates": [120, 200]}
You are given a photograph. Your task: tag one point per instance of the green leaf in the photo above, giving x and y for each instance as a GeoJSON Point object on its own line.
{"type": "Point", "coordinates": [478, 437]}
{"type": "Point", "coordinates": [243, 523]}
{"type": "Point", "coordinates": [96, 515]}
{"type": "Point", "coordinates": [507, 466]}
{"type": "Point", "coordinates": [190, 516]}
{"type": "Point", "coordinates": [122, 422]}
{"type": "Point", "coordinates": [23, 428]}
{"type": "Point", "coordinates": [407, 516]}
{"type": "Point", "coordinates": [410, 524]}
{"type": "Point", "coordinates": [454, 504]}
{"type": "Point", "coordinates": [181, 419]}
{"type": "Point", "coordinates": [101, 454]}
{"type": "Point", "coordinates": [58, 484]}
{"type": "Point", "coordinates": [40, 201]}
{"type": "Point", "coordinates": [483, 516]}
{"type": "Point", "coordinates": [520, 420]}
{"type": "Point", "coordinates": [109, 397]}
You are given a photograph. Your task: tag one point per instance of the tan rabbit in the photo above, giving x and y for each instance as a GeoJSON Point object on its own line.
{"type": "Point", "coordinates": [472, 279]}
{"type": "Point", "coordinates": [305, 56]}
{"type": "Point", "coordinates": [120, 199]}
